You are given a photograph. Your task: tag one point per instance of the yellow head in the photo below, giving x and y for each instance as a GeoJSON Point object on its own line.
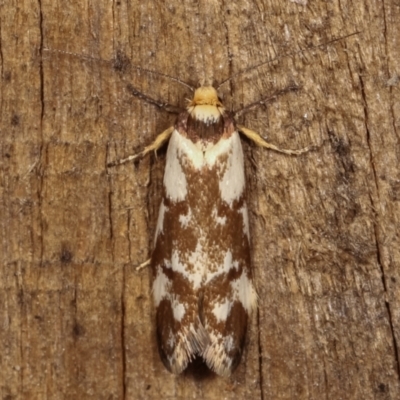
{"type": "Point", "coordinates": [206, 106]}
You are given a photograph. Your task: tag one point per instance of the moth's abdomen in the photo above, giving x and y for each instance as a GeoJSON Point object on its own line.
{"type": "Point", "coordinates": [201, 261]}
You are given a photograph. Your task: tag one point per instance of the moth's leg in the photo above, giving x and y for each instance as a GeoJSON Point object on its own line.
{"type": "Point", "coordinates": [259, 141]}
{"type": "Point", "coordinates": [143, 265]}
{"type": "Point", "coordinates": [158, 142]}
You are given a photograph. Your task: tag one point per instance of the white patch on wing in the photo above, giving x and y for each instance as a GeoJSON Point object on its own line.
{"type": "Point", "coordinates": [204, 146]}
{"type": "Point", "coordinates": [186, 150]}
{"type": "Point", "coordinates": [160, 221]}
{"type": "Point", "coordinates": [161, 287]}
{"type": "Point", "coordinates": [202, 153]}
{"type": "Point", "coordinates": [229, 343]}
{"type": "Point", "coordinates": [219, 220]}
{"type": "Point", "coordinates": [222, 147]}
{"type": "Point", "coordinates": [245, 216]}
{"type": "Point", "coordinates": [233, 182]}
{"type": "Point", "coordinates": [174, 178]}
{"type": "Point", "coordinates": [178, 309]}
{"type": "Point", "coordinates": [195, 275]}
{"type": "Point", "coordinates": [185, 219]}
{"type": "Point", "coordinates": [200, 266]}
{"type": "Point", "coordinates": [229, 263]}
{"type": "Point", "coordinates": [222, 310]}
{"type": "Point", "coordinates": [243, 290]}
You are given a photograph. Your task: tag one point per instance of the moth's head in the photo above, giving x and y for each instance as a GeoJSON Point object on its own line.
{"type": "Point", "coordinates": [206, 105]}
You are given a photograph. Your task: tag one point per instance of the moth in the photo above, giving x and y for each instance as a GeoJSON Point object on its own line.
{"type": "Point", "coordinates": [203, 286]}
{"type": "Point", "coordinates": [201, 262]}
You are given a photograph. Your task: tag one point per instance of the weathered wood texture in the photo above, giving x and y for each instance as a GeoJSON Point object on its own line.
{"type": "Point", "coordinates": [76, 318]}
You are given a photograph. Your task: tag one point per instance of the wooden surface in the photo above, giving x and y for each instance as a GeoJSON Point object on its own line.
{"type": "Point", "coordinates": [76, 318]}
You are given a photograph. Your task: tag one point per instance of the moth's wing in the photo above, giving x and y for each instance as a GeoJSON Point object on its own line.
{"type": "Point", "coordinates": [229, 298]}
{"type": "Point", "coordinates": [176, 281]}
{"type": "Point", "coordinates": [228, 292]}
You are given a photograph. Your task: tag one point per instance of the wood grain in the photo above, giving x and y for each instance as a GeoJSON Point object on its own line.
{"type": "Point", "coordinates": [77, 320]}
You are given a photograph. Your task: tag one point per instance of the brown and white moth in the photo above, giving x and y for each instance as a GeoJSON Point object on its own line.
{"type": "Point", "coordinates": [201, 265]}
{"type": "Point", "coordinates": [202, 287]}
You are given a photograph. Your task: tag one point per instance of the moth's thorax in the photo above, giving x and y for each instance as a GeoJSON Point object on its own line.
{"type": "Point", "coordinates": [206, 107]}
{"type": "Point", "coordinates": [205, 119]}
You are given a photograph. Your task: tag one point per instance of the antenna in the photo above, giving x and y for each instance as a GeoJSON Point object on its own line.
{"type": "Point", "coordinates": [286, 55]}
{"type": "Point", "coordinates": [122, 63]}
